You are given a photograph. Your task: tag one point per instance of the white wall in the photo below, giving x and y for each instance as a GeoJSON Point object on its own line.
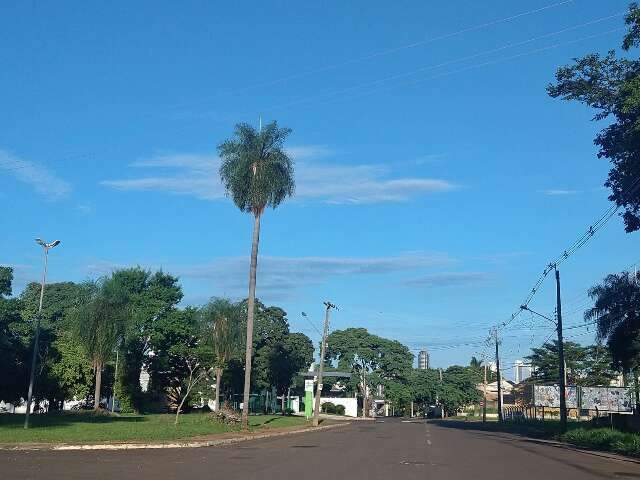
{"type": "Point", "coordinates": [350, 404]}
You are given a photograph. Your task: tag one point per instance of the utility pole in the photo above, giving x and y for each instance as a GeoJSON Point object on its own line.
{"type": "Point", "coordinates": [316, 413]}
{"type": "Point", "coordinates": [484, 403]}
{"type": "Point", "coordinates": [495, 336]}
{"type": "Point", "coordinates": [561, 364]}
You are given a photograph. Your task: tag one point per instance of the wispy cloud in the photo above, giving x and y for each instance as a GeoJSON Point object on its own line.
{"type": "Point", "coordinates": [42, 180]}
{"type": "Point", "coordinates": [559, 192]}
{"type": "Point", "coordinates": [278, 277]}
{"type": "Point", "coordinates": [197, 175]}
{"type": "Point", "coordinates": [448, 279]}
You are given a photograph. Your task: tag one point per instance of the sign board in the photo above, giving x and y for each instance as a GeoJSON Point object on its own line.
{"type": "Point", "coordinates": [609, 399]}
{"type": "Point", "coordinates": [308, 385]}
{"type": "Point", "coordinates": [549, 396]}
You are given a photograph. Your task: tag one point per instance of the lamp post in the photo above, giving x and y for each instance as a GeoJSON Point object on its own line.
{"type": "Point", "coordinates": [45, 248]}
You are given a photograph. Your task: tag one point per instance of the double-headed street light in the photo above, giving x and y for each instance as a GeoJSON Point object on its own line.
{"type": "Point", "coordinates": [45, 248]}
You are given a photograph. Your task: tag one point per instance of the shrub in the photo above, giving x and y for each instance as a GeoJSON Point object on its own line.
{"type": "Point", "coordinates": [288, 411]}
{"type": "Point", "coordinates": [328, 407]}
{"type": "Point", "coordinates": [340, 409]}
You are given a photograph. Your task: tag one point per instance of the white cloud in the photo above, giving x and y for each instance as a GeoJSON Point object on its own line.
{"type": "Point", "coordinates": [448, 279]}
{"type": "Point", "coordinates": [40, 178]}
{"type": "Point", "coordinates": [560, 192]}
{"type": "Point", "coordinates": [280, 276]}
{"type": "Point", "coordinates": [197, 175]}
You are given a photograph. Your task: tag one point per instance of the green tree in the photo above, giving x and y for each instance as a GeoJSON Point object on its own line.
{"type": "Point", "coordinates": [257, 173]}
{"type": "Point", "coordinates": [59, 299]}
{"type": "Point", "coordinates": [458, 388]}
{"type": "Point", "coordinates": [6, 280]}
{"type": "Point", "coordinates": [98, 323]}
{"type": "Point", "coordinates": [150, 296]}
{"type": "Point", "coordinates": [369, 356]}
{"type": "Point", "coordinates": [611, 85]}
{"type": "Point", "coordinates": [286, 359]}
{"type": "Point", "coordinates": [616, 312]}
{"type": "Point", "coordinates": [424, 384]}
{"type": "Point", "coordinates": [222, 325]}
{"type": "Point", "coordinates": [586, 366]}
{"type": "Point", "coordinates": [13, 350]}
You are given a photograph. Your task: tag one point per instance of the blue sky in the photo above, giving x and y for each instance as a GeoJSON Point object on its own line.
{"type": "Point", "coordinates": [435, 177]}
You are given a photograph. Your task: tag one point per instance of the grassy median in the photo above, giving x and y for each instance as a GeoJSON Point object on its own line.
{"type": "Point", "coordinates": [90, 428]}
{"type": "Point", "coordinates": [582, 434]}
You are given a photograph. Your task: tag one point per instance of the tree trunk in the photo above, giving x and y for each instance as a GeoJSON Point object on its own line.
{"type": "Point", "coordinates": [96, 395]}
{"type": "Point", "coordinates": [180, 406]}
{"type": "Point", "coordinates": [218, 396]}
{"type": "Point", "coordinates": [282, 403]}
{"type": "Point", "coordinates": [250, 310]}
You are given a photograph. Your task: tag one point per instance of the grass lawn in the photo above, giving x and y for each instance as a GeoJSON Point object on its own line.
{"type": "Point", "coordinates": [90, 428]}
{"type": "Point", "coordinates": [582, 434]}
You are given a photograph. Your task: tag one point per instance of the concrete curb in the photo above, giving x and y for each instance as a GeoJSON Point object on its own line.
{"type": "Point", "coordinates": [577, 448]}
{"type": "Point", "coordinates": [176, 444]}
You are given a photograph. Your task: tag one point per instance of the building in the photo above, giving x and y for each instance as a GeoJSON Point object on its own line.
{"type": "Point", "coordinates": [423, 360]}
{"type": "Point", "coordinates": [521, 371]}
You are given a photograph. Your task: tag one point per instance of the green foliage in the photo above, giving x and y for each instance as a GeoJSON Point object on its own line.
{"type": "Point", "coordinates": [371, 358]}
{"type": "Point", "coordinates": [328, 407]}
{"type": "Point", "coordinates": [222, 324]}
{"type": "Point", "coordinates": [611, 85]}
{"type": "Point", "coordinates": [256, 170]}
{"type": "Point", "coordinates": [150, 296]}
{"type": "Point", "coordinates": [6, 279]}
{"type": "Point", "coordinates": [13, 348]}
{"type": "Point", "coordinates": [72, 371]}
{"type": "Point", "coordinates": [458, 388]}
{"type": "Point", "coordinates": [617, 312]}
{"type": "Point", "coordinates": [98, 322]}
{"type": "Point", "coordinates": [279, 354]}
{"type": "Point", "coordinates": [179, 354]}
{"type": "Point", "coordinates": [586, 366]}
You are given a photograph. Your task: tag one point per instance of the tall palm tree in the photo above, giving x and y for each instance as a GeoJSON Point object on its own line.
{"type": "Point", "coordinates": [222, 328]}
{"type": "Point", "coordinates": [98, 323]}
{"type": "Point", "coordinates": [616, 312]}
{"type": "Point", "coordinates": [257, 173]}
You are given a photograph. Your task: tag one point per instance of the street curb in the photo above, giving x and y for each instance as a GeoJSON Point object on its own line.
{"type": "Point", "coordinates": [577, 448]}
{"type": "Point", "coordinates": [565, 445]}
{"type": "Point", "coordinates": [140, 446]}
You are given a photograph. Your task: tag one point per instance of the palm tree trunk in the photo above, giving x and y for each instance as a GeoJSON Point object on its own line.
{"type": "Point", "coordinates": [218, 396]}
{"type": "Point", "coordinates": [282, 408]}
{"type": "Point", "coordinates": [96, 395]}
{"type": "Point", "coordinates": [250, 311]}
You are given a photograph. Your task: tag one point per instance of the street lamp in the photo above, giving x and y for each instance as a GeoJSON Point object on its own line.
{"type": "Point", "coordinates": [45, 248]}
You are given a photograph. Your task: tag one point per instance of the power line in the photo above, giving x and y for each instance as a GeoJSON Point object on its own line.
{"type": "Point", "coordinates": [390, 51]}
{"type": "Point", "coordinates": [329, 95]}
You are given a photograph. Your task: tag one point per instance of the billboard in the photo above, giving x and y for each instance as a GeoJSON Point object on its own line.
{"type": "Point", "coordinates": [609, 399]}
{"type": "Point", "coordinates": [549, 396]}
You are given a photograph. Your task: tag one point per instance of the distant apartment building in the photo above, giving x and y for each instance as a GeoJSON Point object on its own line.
{"type": "Point", "coordinates": [423, 360]}
{"type": "Point", "coordinates": [521, 371]}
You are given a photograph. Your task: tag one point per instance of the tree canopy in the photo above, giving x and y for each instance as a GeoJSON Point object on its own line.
{"type": "Point", "coordinates": [611, 85]}
{"type": "Point", "coordinates": [616, 312]}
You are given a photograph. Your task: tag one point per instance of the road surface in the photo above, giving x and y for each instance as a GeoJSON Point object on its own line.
{"type": "Point", "coordinates": [392, 449]}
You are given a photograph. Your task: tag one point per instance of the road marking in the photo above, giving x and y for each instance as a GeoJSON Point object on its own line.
{"type": "Point", "coordinates": [428, 442]}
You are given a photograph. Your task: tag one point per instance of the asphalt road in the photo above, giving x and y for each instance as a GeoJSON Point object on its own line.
{"type": "Point", "coordinates": [391, 449]}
